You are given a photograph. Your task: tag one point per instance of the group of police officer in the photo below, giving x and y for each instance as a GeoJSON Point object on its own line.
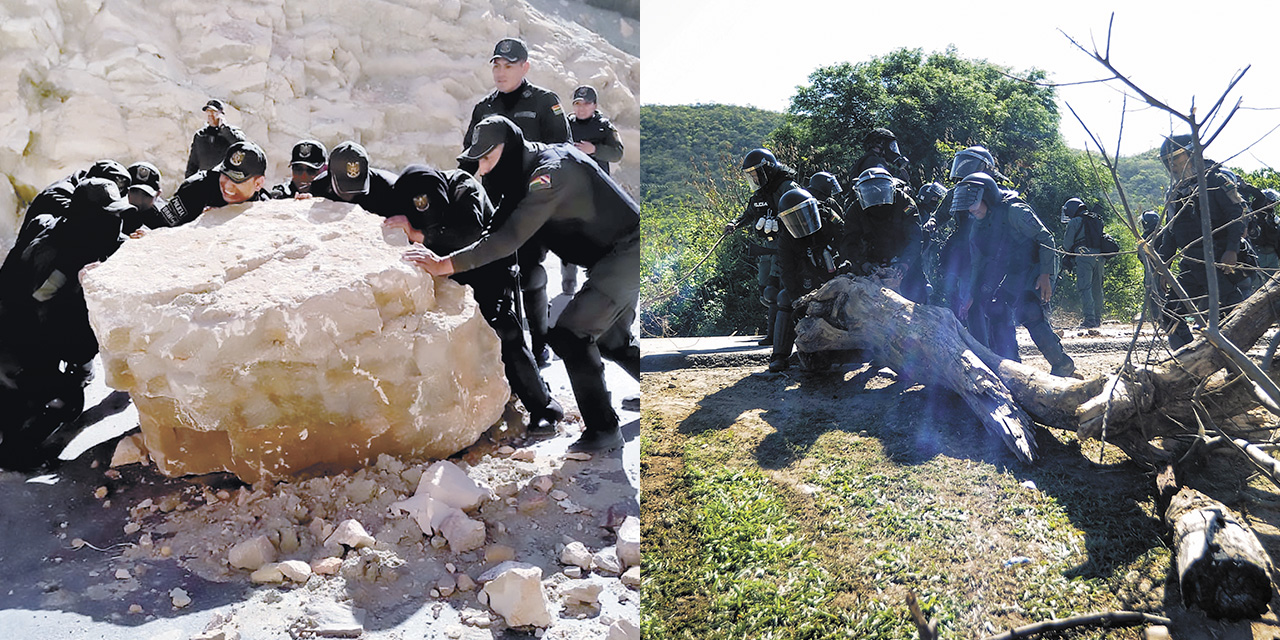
{"type": "Point", "coordinates": [530, 180]}
{"type": "Point", "coordinates": [998, 266]}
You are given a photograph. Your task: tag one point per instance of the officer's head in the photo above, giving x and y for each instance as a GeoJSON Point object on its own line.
{"type": "Point", "coordinates": [1072, 208]}
{"type": "Point", "coordinates": [799, 213]}
{"type": "Point", "coordinates": [881, 140]}
{"type": "Point", "coordinates": [113, 171]}
{"type": "Point", "coordinates": [1175, 153]}
{"type": "Point", "coordinates": [930, 195]}
{"type": "Point", "coordinates": [349, 170]}
{"type": "Point", "coordinates": [972, 160]}
{"type": "Point", "coordinates": [510, 63]}
{"type": "Point", "coordinates": [875, 187]}
{"type": "Point", "coordinates": [493, 138]}
{"type": "Point", "coordinates": [823, 185]}
{"type": "Point", "coordinates": [144, 184]}
{"type": "Point", "coordinates": [977, 193]}
{"type": "Point", "coordinates": [241, 172]}
{"type": "Point", "coordinates": [306, 161]}
{"type": "Point", "coordinates": [214, 111]}
{"type": "Point", "coordinates": [421, 195]}
{"type": "Point", "coordinates": [1272, 197]}
{"type": "Point", "coordinates": [584, 102]}
{"type": "Point", "coordinates": [759, 165]}
{"type": "Point", "coordinates": [98, 206]}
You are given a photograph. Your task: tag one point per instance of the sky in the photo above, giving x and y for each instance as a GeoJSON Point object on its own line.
{"type": "Point", "coordinates": [755, 53]}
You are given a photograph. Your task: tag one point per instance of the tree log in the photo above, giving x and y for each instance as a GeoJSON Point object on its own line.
{"type": "Point", "coordinates": [1222, 568]}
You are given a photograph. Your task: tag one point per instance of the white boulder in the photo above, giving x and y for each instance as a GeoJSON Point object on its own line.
{"type": "Point", "coordinates": [252, 553]}
{"type": "Point", "coordinates": [517, 596]}
{"type": "Point", "coordinates": [629, 542]}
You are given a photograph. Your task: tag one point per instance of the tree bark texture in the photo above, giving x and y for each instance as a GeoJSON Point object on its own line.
{"type": "Point", "coordinates": [1222, 568]}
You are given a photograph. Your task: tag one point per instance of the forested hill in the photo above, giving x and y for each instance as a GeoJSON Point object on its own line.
{"type": "Point", "coordinates": [676, 139]}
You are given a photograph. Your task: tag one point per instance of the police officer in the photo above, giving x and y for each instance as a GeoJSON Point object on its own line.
{"type": "Point", "coordinates": [238, 178]}
{"type": "Point", "coordinates": [144, 196]}
{"type": "Point", "coordinates": [46, 343]}
{"type": "Point", "coordinates": [592, 133]}
{"type": "Point", "coordinates": [882, 151]}
{"type": "Point", "coordinates": [350, 179]}
{"type": "Point", "coordinates": [55, 199]}
{"type": "Point", "coordinates": [585, 218]}
{"type": "Point", "coordinates": [882, 233]}
{"type": "Point", "coordinates": [927, 200]}
{"type": "Point", "coordinates": [448, 210]}
{"type": "Point", "coordinates": [771, 179]}
{"type": "Point", "coordinates": [1084, 239]}
{"type": "Point", "coordinates": [305, 163]}
{"type": "Point", "coordinates": [209, 145]}
{"type": "Point", "coordinates": [1183, 231]}
{"type": "Point", "coordinates": [538, 113]}
{"type": "Point", "coordinates": [807, 258]}
{"type": "Point", "coordinates": [1014, 263]}
{"type": "Point", "coordinates": [953, 259]}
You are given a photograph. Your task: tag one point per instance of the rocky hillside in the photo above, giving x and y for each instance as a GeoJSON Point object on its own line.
{"type": "Point", "coordinates": [124, 79]}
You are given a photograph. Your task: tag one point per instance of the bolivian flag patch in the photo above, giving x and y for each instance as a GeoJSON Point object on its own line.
{"type": "Point", "coordinates": [555, 108]}
{"type": "Point", "coordinates": [540, 182]}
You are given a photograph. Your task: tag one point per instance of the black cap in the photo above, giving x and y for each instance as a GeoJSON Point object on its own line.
{"type": "Point", "coordinates": [511, 49]}
{"type": "Point", "coordinates": [214, 104]}
{"type": "Point", "coordinates": [349, 166]}
{"type": "Point", "coordinates": [244, 160]}
{"type": "Point", "coordinates": [308, 153]}
{"type": "Point", "coordinates": [489, 133]}
{"type": "Point", "coordinates": [111, 170]}
{"type": "Point", "coordinates": [98, 194]}
{"type": "Point", "coordinates": [585, 93]}
{"type": "Point", "coordinates": [421, 190]}
{"type": "Point", "coordinates": [145, 177]}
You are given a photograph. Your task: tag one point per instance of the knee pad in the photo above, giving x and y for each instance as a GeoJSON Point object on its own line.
{"type": "Point", "coordinates": [534, 277]}
{"type": "Point", "coordinates": [785, 299]}
{"type": "Point", "coordinates": [769, 295]}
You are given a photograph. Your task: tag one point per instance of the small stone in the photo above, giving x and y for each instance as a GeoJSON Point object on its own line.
{"type": "Point", "coordinates": [506, 450]}
{"type": "Point", "coordinates": [606, 561]}
{"type": "Point", "coordinates": [623, 629]}
{"type": "Point", "coordinates": [179, 597]}
{"type": "Point", "coordinates": [542, 483]}
{"type": "Point", "coordinates": [326, 566]}
{"type": "Point", "coordinates": [131, 528]}
{"type": "Point", "coordinates": [576, 553]}
{"type": "Point", "coordinates": [130, 450]}
{"type": "Point", "coordinates": [351, 534]}
{"type": "Point", "coordinates": [444, 481]}
{"type": "Point", "coordinates": [295, 570]}
{"type": "Point", "coordinates": [629, 542]}
{"type": "Point", "coordinates": [463, 533]}
{"type": "Point", "coordinates": [631, 577]}
{"type": "Point", "coordinates": [450, 567]}
{"type": "Point", "coordinates": [434, 593]}
{"type": "Point", "coordinates": [583, 592]}
{"type": "Point", "coordinates": [252, 553]}
{"type": "Point", "coordinates": [100, 493]}
{"type": "Point", "coordinates": [144, 540]}
{"type": "Point", "coordinates": [496, 553]}
{"type": "Point", "coordinates": [135, 608]}
{"type": "Point", "coordinates": [76, 543]}
{"type": "Point", "coordinates": [577, 455]}
{"type": "Point", "coordinates": [122, 574]}
{"type": "Point", "coordinates": [573, 571]}
{"type": "Point", "coordinates": [517, 596]}
{"type": "Point", "coordinates": [465, 583]}
{"type": "Point", "coordinates": [558, 495]}
{"type": "Point", "coordinates": [1157, 632]}
{"type": "Point", "coordinates": [267, 573]}
{"type": "Point", "coordinates": [525, 455]}
{"type": "Point", "coordinates": [166, 551]}
{"type": "Point", "coordinates": [438, 542]}
{"type": "Point", "coordinates": [446, 585]}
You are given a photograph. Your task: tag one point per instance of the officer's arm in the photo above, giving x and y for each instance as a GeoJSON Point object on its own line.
{"type": "Point", "coordinates": [553, 121]}
{"type": "Point", "coordinates": [851, 242]}
{"type": "Point", "coordinates": [475, 118]}
{"type": "Point", "coordinates": [609, 149]}
{"type": "Point", "coordinates": [1072, 237]}
{"type": "Point", "coordinates": [790, 254]}
{"type": "Point", "coordinates": [1027, 226]}
{"type": "Point", "coordinates": [193, 162]}
{"type": "Point", "coordinates": [528, 217]}
{"type": "Point", "coordinates": [1227, 200]}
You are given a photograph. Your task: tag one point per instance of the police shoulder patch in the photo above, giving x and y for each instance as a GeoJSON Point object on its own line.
{"type": "Point", "coordinates": [557, 109]}
{"type": "Point", "coordinates": [542, 181]}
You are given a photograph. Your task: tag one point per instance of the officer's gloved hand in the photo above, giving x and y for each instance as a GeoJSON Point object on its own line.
{"type": "Point", "coordinates": [845, 268]}
{"type": "Point", "coordinates": [929, 225]}
{"type": "Point", "coordinates": [729, 228]}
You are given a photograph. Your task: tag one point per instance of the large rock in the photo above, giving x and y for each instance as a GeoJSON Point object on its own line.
{"type": "Point", "coordinates": [266, 338]}
{"type": "Point", "coordinates": [517, 596]}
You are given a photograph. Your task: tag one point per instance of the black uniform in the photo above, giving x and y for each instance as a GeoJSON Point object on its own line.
{"type": "Point", "coordinates": [538, 113]}
{"type": "Point", "coordinates": [954, 264]}
{"type": "Point", "coordinates": [149, 217]}
{"type": "Point", "coordinates": [209, 147]}
{"type": "Point", "coordinates": [598, 131]}
{"type": "Point", "coordinates": [55, 199]}
{"type": "Point", "coordinates": [887, 235]}
{"type": "Point", "coordinates": [588, 220]}
{"type": "Point", "coordinates": [1182, 210]}
{"type": "Point", "coordinates": [379, 200]}
{"type": "Point", "coordinates": [804, 265]}
{"type": "Point", "coordinates": [193, 196]}
{"type": "Point", "coordinates": [456, 215]}
{"type": "Point", "coordinates": [284, 190]}
{"type": "Point", "coordinates": [763, 203]}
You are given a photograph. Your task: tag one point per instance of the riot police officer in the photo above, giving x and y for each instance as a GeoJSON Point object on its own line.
{"type": "Point", "coordinates": [1084, 239]}
{"type": "Point", "coordinates": [927, 200]}
{"type": "Point", "coordinates": [954, 265]}
{"type": "Point", "coordinates": [1183, 234]}
{"type": "Point", "coordinates": [209, 145]}
{"type": "Point", "coordinates": [349, 178]}
{"type": "Point", "coordinates": [882, 233]}
{"type": "Point", "coordinates": [807, 258]}
{"type": "Point", "coordinates": [55, 199]}
{"type": "Point", "coordinates": [1014, 263]}
{"type": "Point", "coordinates": [584, 217]}
{"type": "Point", "coordinates": [882, 151]}
{"type": "Point", "coordinates": [448, 210]}
{"type": "Point", "coordinates": [306, 161]}
{"type": "Point", "coordinates": [771, 179]}
{"type": "Point", "coordinates": [595, 136]}
{"type": "Point", "coordinates": [238, 178]}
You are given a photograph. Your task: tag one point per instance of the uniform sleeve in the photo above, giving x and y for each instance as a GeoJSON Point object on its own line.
{"type": "Point", "coordinates": [1027, 225]}
{"type": "Point", "coordinates": [1072, 236]}
{"type": "Point", "coordinates": [942, 215]}
{"type": "Point", "coordinates": [609, 149]}
{"type": "Point", "coordinates": [475, 119]}
{"type": "Point", "coordinates": [553, 121]}
{"type": "Point", "coordinates": [549, 191]}
{"type": "Point", "coordinates": [193, 161]}
{"type": "Point", "coordinates": [851, 241]}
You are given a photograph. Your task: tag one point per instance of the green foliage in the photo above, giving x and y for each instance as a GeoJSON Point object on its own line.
{"type": "Point", "coordinates": [678, 139]}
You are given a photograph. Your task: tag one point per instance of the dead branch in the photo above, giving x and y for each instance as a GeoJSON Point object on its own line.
{"type": "Point", "coordinates": [1109, 619]}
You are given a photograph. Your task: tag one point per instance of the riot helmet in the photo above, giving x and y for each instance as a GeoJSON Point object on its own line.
{"type": "Point", "coordinates": [874, 187]}
{"type": "Point", "coordinates": [1071, 208]}
{"type": "Point", "coordinates": [799, 213]}
{"type": "Point", "coordinates": [823, 185]}
{"type": "Point", "coordinates": [972, 160]}
{"type": "Point", "coordinates": [759, 165]}
{"type": "Point", "coordinates": [1173, 146]}
{"type": "Point", "coordinates": [1150, 222]}
{"type": "Point", "coordinates": [975, 187]}
{"type": "Point", "coordinates": [931, 194]}
{"type": "Point", "coordinates": [1271, 195]}
{"type": "Point", "coordinates": [885, 138]}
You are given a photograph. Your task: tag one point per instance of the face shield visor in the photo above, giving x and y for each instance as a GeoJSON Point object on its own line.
{"type": "Point", "coordinates": [966, 163]}
{"type": "Point", "coordinates": [803, 219]}
{"type": "Point", "coordinates": [893, 148]}
{"type": "Point", "coordinates": [965, 195]}
{"type": "Point", "coordinates": [874, 192]}
{"type": "Point", "coordinates": [756, 175]}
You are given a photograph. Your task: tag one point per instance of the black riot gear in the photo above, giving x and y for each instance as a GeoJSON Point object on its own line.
{"type": "Point", "coordinates": [1071, 208]}
{"type": "Point", "coordinates": [972, 160]}
{"type": "Point", "coordinates": [875, 187]}
{"type": "Point", "coordinates": [1175, 145]}
{"type": "Point", "coordinates": [929, 197]}
{"type": "Point", "coordinates": [799, 213]}
{"type": "Point", "coordinates": [975, 186]}
{"type": "Point", "coordinates": [759, 165]}
{"type": "Point", "coordinates": [823, 185]}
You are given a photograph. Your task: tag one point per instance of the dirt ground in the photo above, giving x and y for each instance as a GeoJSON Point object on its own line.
{"type": "Point", "coordinates": [785, 424]}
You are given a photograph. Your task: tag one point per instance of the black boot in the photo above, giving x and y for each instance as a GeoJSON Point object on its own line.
{"type": "Point", "coordinates": [586, 375]}
{"type": "Point", "coordinates": [786, 339]}
{"type": "Point", "coordinates": [767, 340]}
